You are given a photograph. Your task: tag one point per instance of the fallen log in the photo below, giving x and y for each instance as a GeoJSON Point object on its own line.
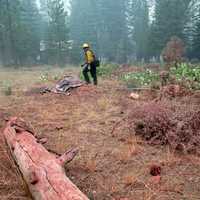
{"type": "Point", "coordinates": [42, 171]}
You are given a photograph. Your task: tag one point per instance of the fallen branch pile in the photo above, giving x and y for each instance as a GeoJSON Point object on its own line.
{"type": "Point", "coordinates": [43, 171]}
{"type": "Point", "coordinates": [64, 85]}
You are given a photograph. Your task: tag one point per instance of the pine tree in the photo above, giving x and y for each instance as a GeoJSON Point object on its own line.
{"type": "Point", "coordinates": [101, 23]}
{"type": "Point", "coordinates": [138, 17]}
{"type": "Point", "coordinates": [169, 20]}
{"type": "Point", "coordinates": [2, 32]}
{"type": "Point", "coordinates": [44, 10]}
{"type": "Point", "coordinates": [83, 26]}
{"type": "Point", "coordinates": [9, 27]}
{"type": "Point", "coordinates": [196, 36]}
{"type": "Point", "coordinates": [29, 38]}
{"type": "Point", "coordinates": [44, 19]}
{"type": "Point", "coordinates": [57, 31]}
{"type": "Point", "coordinates": [113, 31]}
{"type": "Point", "coordinates": [19, 31]}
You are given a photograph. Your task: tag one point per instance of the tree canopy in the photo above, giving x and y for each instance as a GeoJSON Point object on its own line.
{"type": "Point", "coordinates": [118, 31]}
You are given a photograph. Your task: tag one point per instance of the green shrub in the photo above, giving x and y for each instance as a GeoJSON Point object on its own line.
{"type": "Point", "coordinates": [7, 88]}
{"type": "Point", "coordinates": [104, 70]}
{"type": "Point", "coordinates": [137, 79]}
{"type": "Point", "coordinates": [186, 71]}
{"type": "Point", "coordinates": [55, 77]}
{"type": "Point", "coordinates": [44, 77]}
{"type": "Point", "coordinates": [187, 74]}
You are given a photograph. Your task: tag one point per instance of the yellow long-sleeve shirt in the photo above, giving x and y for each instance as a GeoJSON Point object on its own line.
{"type": "Point", "coordinates": [89, 56]}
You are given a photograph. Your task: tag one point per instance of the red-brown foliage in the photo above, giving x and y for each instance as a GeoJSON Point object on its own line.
{"type": "Point", "coordinates": [174, 51]}
{"type": "Point", "coordinates": [174, 90]}
{"type": "Point", "coordinates": [169, 123]}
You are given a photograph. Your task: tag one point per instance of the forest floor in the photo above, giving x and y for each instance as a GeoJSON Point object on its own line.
{"type": "Point", "coordinates": [110, 165]}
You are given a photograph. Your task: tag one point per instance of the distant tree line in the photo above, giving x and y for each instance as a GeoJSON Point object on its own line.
{"type": "Point", "coordinates": [31, 35]}
{"type": "Point", "coordinates": [119, 31]}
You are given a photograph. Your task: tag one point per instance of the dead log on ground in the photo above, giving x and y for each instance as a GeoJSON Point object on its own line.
{"type": "Point", "coordinates": [42, 171]}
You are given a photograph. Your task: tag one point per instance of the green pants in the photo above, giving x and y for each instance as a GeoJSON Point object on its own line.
{"type": "Point", "coordinates": [93, 72]}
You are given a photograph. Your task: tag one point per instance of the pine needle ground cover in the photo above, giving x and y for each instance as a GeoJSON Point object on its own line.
{"type": "Point", "coordinates": [110, 165]}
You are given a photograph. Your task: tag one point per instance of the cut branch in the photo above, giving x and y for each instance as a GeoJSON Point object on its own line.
{"type": "Point", "coordinates": [67, 157]}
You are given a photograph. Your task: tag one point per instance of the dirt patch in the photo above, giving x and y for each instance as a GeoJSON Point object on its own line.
{"type": "Point", "coordinates": [108, 166]}
{"type": "Point", "coordinates": [34, 91]}
{"type": "Point", "coordinates": [171, 91]}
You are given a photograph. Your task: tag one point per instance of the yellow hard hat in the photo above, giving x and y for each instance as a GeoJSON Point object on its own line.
{"type": "Point", "coordinates": [86, 45]}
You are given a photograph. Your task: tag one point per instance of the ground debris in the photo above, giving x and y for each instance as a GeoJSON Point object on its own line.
{"type": "Point", "coordinates": [155, 180]}
{"type": "Point", "coordinates": [174, 90]}
{"type": "Point", "coordinates": [155, 170]}
{"type": "Point", "coordinates": [134, 96]}
{"type": "Point", "coordinates": [64, 85]}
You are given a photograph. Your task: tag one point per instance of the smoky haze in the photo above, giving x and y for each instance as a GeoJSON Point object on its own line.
{"type": "Point", "coordinates": [123, 31]}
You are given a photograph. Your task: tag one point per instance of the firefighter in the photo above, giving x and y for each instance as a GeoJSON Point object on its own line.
{"type": "Point", "coordinates": [89, 65]}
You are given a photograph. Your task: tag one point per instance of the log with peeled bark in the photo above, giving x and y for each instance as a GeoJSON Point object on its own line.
{"type": "Point", "coordinates": [42, 171]}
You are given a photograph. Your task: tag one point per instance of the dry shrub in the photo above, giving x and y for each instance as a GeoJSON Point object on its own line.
{"type": "Point", "coordinates": [152, 122]}
{"type": "Point", "coordinates": [168, 123]}
{"type": "Point", "coordinates": [164, 77]}
{"type": "Point", "coordinates": [174, 90]}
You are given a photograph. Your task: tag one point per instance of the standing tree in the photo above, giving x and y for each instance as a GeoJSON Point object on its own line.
{"type": "Point", "coordinates": [83, 26]}
{"type": "Point", "coordinates": [2, 33]}
{"type": "Point", "coordinates": [169, 20]}
{"type": "Point", "coordinates": [44, 18]}
{"type": "Point", "coordinates": [196, 35]}
{"type": "Point", "coordinates": [29, 38]}
{"type": "Point", "coordinates": [101, 23]}
{"type": "Point", "coordinates": [58, 31]}
{"type": "Point", "coordinates": [138, 17]}
{"type": "Point", "coordinates": [9, 29]}
{"type": "Point", "coordinates": [113, 30]}
{"type": "Point", "coordinates": [18, 30]}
